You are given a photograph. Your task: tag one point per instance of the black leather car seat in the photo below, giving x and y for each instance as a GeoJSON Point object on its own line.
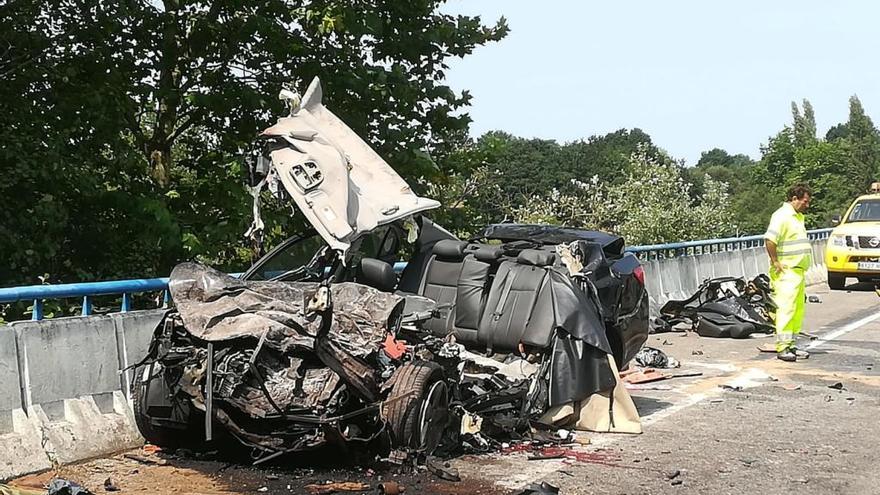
{"type": "Point", "coordinates": [440, 283]}
{"type": "Point", "coordinates": [519, 307]}
{"type": "Point", "coordinates": [479, 265]}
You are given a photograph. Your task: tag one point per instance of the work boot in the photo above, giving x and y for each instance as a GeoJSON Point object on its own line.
{"type": "Point", "coordinates": [787, 355]}
{"type": "Point", "coordinates": [800, 354]}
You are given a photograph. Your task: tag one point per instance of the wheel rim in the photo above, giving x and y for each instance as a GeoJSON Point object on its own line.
{"type": "Point", "coordinates": [433, 416]}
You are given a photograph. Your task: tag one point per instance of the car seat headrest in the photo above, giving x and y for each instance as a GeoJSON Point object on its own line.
{"type": "Point", "coordinates": [447, 248]}
{"type": "Point", "coordinates": [377, 274]}
{"type": "Point", "coordinates": [488, 254]}
{"type": "Point", "coordinates": [535, 257]}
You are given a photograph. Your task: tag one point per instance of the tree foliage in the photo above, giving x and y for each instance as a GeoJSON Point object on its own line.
{"type": "Point", "coordinates": [837, 168]}
{"type": "Point", "coordinates": [124, 121]}
{"type": "Point", "coordinates": [651, 204]}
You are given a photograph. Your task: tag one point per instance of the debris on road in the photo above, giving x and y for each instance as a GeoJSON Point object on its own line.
{"type": "Point", "coordinates": [768, 347]}
{"type": "Point", "coordinates": [543, 488]}
{"type": "Point", "coordinates": [837, 386]}
{"type": "Point", "coordinates": [145, 460]}
{"type": "Point", "coordinates": [390, 488]}
{"type": "Point", "coordinates": [813, 298]}
{"type": "Point", "coordinates": [336, 487]}
{"type": "Point", "coordinates": [442, 469]}
{"type": "Point", "coordinates": [673, 474]}
{"type": "Point", "coordinates": [684, 374]}
{"type": "Point", "coordinates": [724, 307]}
{"type": "Point", "coordinates": [645, 375]}
{"type": "Point", "coordinates": [651, 357]}
{"type": "Point", "coordinates": [792, 386]}
{"type": "Point", "coordinates": [110, 486]}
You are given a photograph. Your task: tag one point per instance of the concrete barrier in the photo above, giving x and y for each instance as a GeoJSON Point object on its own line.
{"type": "Point", "coordinates": [62, 397]}
{"type": "Point", "coordinates": [680, 277]}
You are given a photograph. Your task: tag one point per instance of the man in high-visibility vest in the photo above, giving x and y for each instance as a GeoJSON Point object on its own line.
{"type": "Point", "coordinates": [790, 257]}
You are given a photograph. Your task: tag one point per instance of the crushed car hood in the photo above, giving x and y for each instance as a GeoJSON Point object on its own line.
{"type": "Point", "coordinates": [216, 307]}
{"type": "Point", "coordinates": [343, 187]}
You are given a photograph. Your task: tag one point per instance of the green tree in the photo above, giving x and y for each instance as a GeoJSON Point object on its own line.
{"type": "Point", "coordinates": [124, 121]}
{"type": "Point", "coordinates": [837, 168]}
{"type": "Point", "coordinates": [652, 205]}
{"type": "Point", "coordinates": [863, 145]}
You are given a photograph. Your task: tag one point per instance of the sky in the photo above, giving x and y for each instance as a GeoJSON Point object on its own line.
{"type": "Point", "coordinates": [695, 75]}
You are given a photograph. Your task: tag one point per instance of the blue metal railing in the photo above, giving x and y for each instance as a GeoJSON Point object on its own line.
{"type": "Point", "coordinates": [671, 250]}
{"type": "Point", "coordinates": [88, 290]}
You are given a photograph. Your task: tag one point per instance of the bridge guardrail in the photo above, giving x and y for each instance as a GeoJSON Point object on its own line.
{"type": "Point", "coordinates": [674, 249]}
{"type": "Point", "coordinates": [88, 290]}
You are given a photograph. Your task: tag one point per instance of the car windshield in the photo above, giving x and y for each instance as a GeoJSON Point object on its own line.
{"type": "Point", "coordinates": [866, 210]}
{"type": "Point", "coordinates": [291, 255]}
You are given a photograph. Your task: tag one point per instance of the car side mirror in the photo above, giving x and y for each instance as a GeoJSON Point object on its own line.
{"type": "Point", "coordinates": [835, 219]}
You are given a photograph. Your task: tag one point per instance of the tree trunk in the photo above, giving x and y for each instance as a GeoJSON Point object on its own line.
{"type": "Point", "coordinates": [167, 97]}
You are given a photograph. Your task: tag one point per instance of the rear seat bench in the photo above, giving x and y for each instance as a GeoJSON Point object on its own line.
{"type": "Point", "coordinates": [440, 283]}
{"type": "Point", "coordinates": [489, 300]}
{"type": "Point", "coordinates": [473, 282]}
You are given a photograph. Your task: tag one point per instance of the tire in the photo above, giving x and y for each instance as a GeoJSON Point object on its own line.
{"type": "Point", "coordinates": [414, 384]}
{"type": "Point", "coordinates": [836, 281]}
{"type": "Point", "coordinates": [165, 437]}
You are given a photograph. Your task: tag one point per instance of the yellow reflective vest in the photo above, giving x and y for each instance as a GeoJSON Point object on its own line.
{"type": "Point", "coordinates": [788, 232]}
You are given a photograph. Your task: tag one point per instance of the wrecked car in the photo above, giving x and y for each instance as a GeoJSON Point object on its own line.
{"type": "Point", "coordinates": [376, 330]}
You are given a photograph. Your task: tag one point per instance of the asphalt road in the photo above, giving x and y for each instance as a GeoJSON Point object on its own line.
{"type": "Point", "coordinates": [776, 428]}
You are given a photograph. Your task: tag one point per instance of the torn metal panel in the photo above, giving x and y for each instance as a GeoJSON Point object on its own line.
{"type": "Point", "coordinates": [341, 185]}
{"type": "Point", "coordinates": [215, 306]}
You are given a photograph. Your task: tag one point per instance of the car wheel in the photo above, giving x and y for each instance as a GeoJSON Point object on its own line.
{"type": "Point", "coordinates": [144, 378]}
{"type": "Point", "coordinates": [836, 281]}
{"type": "Point", "coordinates": [417, 409]}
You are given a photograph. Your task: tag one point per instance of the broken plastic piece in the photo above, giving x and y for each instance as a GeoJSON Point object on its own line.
{"type": "Point", "coordinates": [395, 349]}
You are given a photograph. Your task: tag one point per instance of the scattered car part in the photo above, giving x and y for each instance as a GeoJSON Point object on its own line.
{"type": "Point", "coordinates": [724, 307]}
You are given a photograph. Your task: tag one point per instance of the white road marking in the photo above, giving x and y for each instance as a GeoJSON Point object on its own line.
{"type": "Point", "coordinates": [843, 330]}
